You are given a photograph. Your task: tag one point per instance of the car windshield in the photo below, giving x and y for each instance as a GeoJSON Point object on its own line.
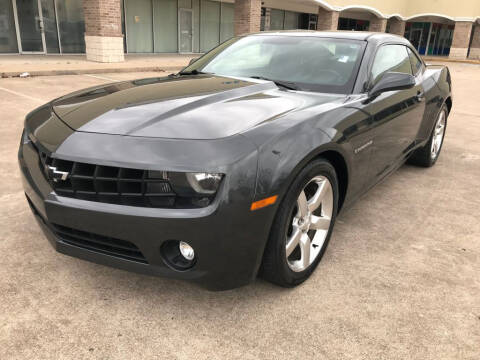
{"type": "Point", "coordinates": [302, 62]}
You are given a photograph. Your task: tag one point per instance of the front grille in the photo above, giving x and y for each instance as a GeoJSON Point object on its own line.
{"type": "Point", "coordinates": [98, 243]}
{"type": "Point", "coordinates": [107, 184]}
{"type": "Point", "coordinates": [94, 242]}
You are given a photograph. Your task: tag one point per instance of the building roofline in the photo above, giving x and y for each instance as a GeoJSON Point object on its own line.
{"type": "Point", "coordinates": [324, 4]}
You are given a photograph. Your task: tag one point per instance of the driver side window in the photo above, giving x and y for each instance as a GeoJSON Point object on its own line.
{"type": "Point", "coordinates": [390, 58]}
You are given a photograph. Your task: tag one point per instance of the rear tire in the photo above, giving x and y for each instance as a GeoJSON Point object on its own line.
{"type": "Point", "coordinates": [427, 155]}
{"type": "Point", "coordinates": [303, 225]}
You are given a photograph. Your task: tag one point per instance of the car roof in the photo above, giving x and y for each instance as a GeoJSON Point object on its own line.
{"type": "Point", "coordinates": [339, 34]}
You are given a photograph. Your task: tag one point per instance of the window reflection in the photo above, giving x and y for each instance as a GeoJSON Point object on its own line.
{"type": "Point", "coordinates": [8, 37]}
{"type": "Point", "coordinates": [72, 25]}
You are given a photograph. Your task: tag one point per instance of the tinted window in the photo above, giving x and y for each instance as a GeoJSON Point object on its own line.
{"type": "Point", "coordinates": [312, 63]}
{"type": "Point", "coordinates": [416, 63]}
{"type": "Point", "coordinates": [390, 58]}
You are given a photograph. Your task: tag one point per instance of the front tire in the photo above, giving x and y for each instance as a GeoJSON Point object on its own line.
{"type": "Point", "coordinates": [427, 155]}
{"type": "Point", "coordinates": [303, 225]}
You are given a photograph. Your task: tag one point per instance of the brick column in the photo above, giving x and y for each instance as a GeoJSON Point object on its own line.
{"type": "Point", "coordinates": [397, 26]}
{"type": "Point", "coordinates": [475, 46]}
{"type": "Point", "coordinates": [378, 25]}
{"type": "Point", "coordinates": [247, 16]}
{"type": "Point", "coordinates": [103, 30]}
{"type": "Point", "coordinates": [327, 20]}
{"type": "Point", "coordinates": [461, 39]}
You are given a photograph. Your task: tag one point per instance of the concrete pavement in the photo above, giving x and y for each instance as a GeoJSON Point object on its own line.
{"type": "Point", "coordinates": [400, 279]}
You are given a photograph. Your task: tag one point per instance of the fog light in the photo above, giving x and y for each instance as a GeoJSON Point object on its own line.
{"type": "Point", "coordinates": [186, 250]}
{"type": "Point", "coordinates": [178, 255]}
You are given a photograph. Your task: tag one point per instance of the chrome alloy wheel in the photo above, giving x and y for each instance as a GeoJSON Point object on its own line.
{"type": "Point", "coordinates": [311, 218]}
{"type": "Point", "coordinates": [438, 134]}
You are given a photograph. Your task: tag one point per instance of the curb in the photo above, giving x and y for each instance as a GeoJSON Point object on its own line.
{"type": "Point", "coordinates": [7, 74]}
{"type": "Point", "coordinates": [465, 61]}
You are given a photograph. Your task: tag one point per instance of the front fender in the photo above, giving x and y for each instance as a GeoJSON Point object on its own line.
{"type": "Point", "coordinates": [281, 159]}
{"type": "Point", "coordinates": [290, 148]}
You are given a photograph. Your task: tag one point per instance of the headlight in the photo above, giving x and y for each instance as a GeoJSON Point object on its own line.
{"type": "Point", "coordinates": [197, 189]}
{"type": "Point", "coordinates": [204, 183]}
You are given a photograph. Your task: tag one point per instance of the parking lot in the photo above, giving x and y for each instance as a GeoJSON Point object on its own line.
{"type": "Point", "coordinates": [400, 279]}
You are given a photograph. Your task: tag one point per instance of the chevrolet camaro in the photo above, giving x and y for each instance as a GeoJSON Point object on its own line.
{"type": "Point", "coordinates": [238, 165]}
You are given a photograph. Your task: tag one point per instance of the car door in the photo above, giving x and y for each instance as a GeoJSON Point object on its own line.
{"type": "Point", "coordinates": [431, 96]}
{"type": "Point", "coordinates": [395, 115]}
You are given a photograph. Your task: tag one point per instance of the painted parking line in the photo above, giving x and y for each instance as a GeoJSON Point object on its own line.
{"type": "Point", "coordinates": [23, 95]}
{"type": "Point", "coordinates": [100, 77]}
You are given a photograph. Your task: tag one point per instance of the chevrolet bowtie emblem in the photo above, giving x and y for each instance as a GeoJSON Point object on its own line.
{"type": "Point", "coordinates": [55, 174]}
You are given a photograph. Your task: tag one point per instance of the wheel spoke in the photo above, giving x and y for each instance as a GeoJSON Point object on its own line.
{"type": "Point", "coordinates": [301, 250]}
{"type": "Point", "coordinates": [320, 223]}
{"type": "Point", "coordinates": [438, 135]}
{"type": "Point", "coordinates": [305, 245]}
{"type": "Point", "coordinates": [302, 204]}
{"type": "Point", "coordinates": [317, 198]}
{"type": "Point", "coordinates": [293, 240]}
{"type": "Point", "coordinates": [439, 129]}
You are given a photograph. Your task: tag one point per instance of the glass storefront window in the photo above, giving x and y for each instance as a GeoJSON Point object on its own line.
{"type": "Point", "coordinates": [353, 24]}
{"type": "Point", "coordinates": [8, 36]}
{"type": "Point", "coordinates": [439, 41]}
{"type": "Point", "coordinates": [291, 20]}
{"type": "Point", "coordinates": [276, 19]}
{"type": "Point", "coordinates": [209, 25]}
{"type": "Point", "coordinates": [176, 26]}
{"type": "Point", "coordinates": [226, 21]}
{"type": "Point", "coordinates": [139, 26]}
{"type": "Point", "coordinates": [71, 24]}
{"type": "Point", "coordinates": [165, 25]}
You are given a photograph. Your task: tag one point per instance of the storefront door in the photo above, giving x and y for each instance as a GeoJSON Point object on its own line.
{"type": "Point", "coordinates": [30, 26]}
{"type": "Point", "coordinates": [185, 31]}
{"type": "Point", "coordinates": [416, 38]}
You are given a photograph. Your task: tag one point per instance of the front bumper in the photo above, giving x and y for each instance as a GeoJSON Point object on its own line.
{"type": "Point", "coordinates": [227, 237]}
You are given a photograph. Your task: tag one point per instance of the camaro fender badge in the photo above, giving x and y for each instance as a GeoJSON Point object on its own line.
{"type": "Point", "coordinates": [363, 147]}
{"type": "Point", "coordinates": [55, 174]}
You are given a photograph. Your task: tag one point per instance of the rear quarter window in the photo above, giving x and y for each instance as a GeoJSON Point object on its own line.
{"type": "Point", "coordinates": [417, 64]}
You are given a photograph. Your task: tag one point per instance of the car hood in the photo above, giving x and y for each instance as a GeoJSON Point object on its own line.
{"type": "Point", "coordinates": [185, 107]}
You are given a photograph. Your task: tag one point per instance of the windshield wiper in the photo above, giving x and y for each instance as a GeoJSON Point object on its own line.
{"type": "Point", "coordinates": [193, 72]}
{"type": "Point", "coordinates": [285, 84]}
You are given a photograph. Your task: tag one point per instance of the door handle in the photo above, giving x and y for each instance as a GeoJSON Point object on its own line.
{"type": "Point", "coordinates": [40, 24]}
{"type": "Point", "coordinates": [420, 96]}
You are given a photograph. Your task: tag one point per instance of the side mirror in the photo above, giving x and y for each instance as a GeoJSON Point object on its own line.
{"type": "Point", "coordinates": [192, 61]}
{"type": "Point", "coordinates": [392, 81]}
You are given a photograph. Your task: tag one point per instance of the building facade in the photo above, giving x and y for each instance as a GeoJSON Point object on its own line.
{"type": "Point", "coordinates": [107, 29]}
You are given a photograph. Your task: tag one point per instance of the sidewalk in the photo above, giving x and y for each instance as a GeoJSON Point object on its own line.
{"type": "Point", "coordinates": [14, 65]}
{"type": "Point", "coordinates": [447, 59]}
{"type": "Point", "coordinates": [37, 65]}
